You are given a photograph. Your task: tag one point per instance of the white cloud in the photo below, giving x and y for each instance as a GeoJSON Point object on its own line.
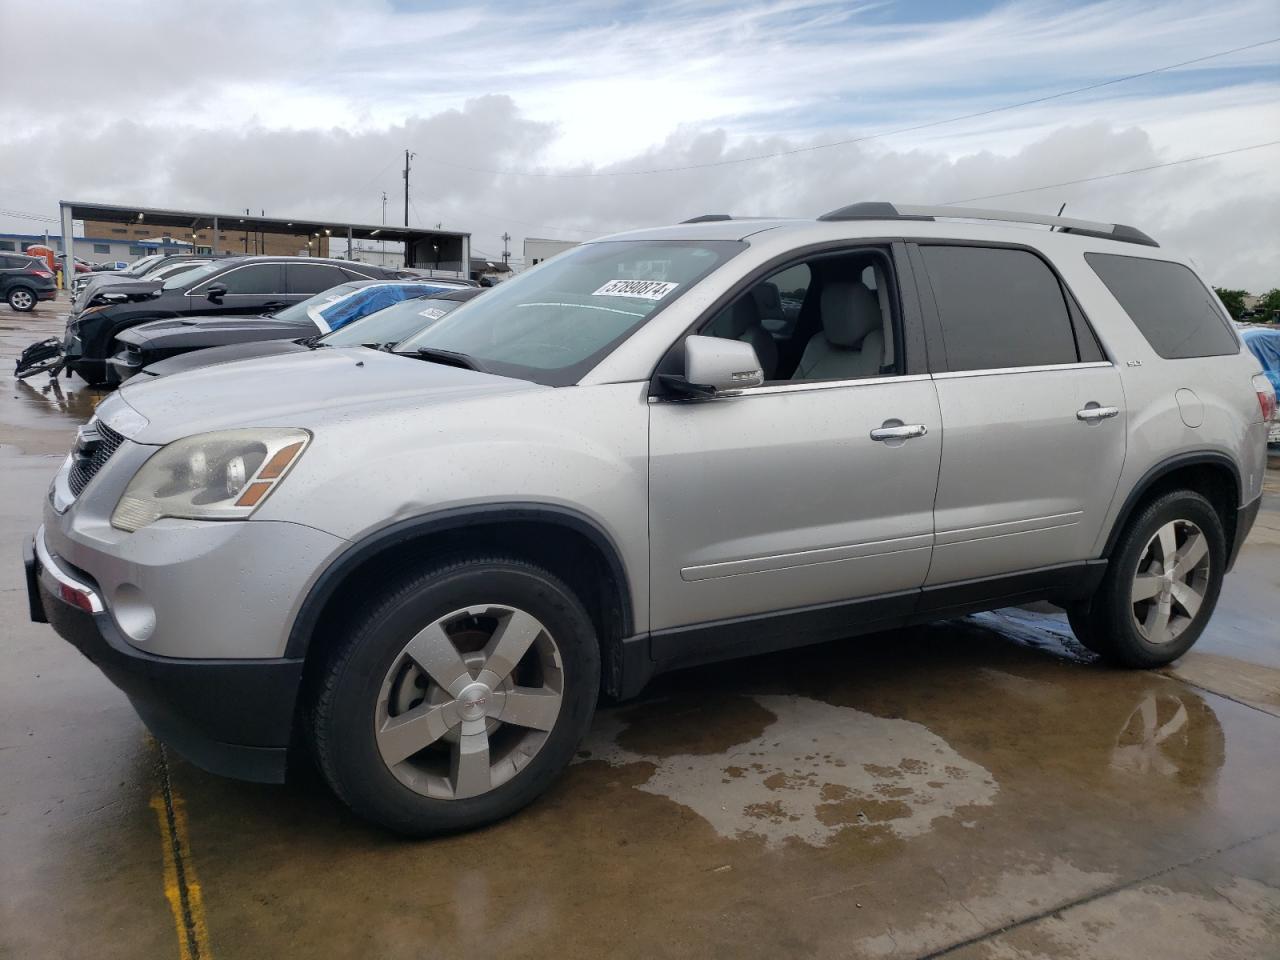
{"type": "Point", "coordinates": [306, 108]}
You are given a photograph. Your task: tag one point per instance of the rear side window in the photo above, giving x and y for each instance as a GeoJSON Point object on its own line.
{"type": "Point", "coordinates": [309, 278]}
{"type": "Point", "coordinates": [998, 308]}
{"type": "Point", "coordinates": [1168, 303]}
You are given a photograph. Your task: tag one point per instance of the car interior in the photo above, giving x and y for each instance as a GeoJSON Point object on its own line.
{"type": "Point", "coordinates": [826, 318]}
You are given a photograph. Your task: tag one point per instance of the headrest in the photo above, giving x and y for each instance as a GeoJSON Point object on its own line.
{"type": "Point", "coordinates": [743, 316]}
{"type": "Point", "coordinates": [849, 312]}
{"type": "Point", "coordinates": [768, 301]}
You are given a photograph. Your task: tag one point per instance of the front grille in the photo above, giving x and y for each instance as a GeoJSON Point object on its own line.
{"type": "Point", "coordinates": [87, 463]}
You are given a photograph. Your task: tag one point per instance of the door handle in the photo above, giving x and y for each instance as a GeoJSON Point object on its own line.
{"type": "Point", "coordinates": [1092, 413]}
{"type": "Point", "coordinates": [903, 432]}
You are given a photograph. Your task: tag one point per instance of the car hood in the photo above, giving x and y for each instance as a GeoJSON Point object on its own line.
{"type": "Point", "coordinates": [228, 354]}
{"type": "Point", "coordinates": [98, 292]}
{"type": "Point", "coordinates": [300, 390]}
{"type": "Point", "coordinates": [191, 332]}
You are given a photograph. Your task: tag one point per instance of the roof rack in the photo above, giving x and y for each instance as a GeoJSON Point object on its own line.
{"type": "Point", "coordinates": [879, 210]}
{"type": "Point", "coordinates": [708, 218]}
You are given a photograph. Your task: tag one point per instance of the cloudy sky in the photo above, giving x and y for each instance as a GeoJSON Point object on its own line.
{"type": "Point", "coordinates": [570, 119]}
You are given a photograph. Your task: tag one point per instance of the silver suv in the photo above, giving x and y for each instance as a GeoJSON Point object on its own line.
{"type": "Point", "coordinates": [661, 448]}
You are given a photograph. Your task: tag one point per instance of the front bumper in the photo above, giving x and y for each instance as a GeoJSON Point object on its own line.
{"type": "Point", "coordinates": [230, 717]}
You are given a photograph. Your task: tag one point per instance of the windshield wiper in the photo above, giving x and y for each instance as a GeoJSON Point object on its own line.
{"type": "Point", "coordinates": [449, 358]}
{"type": "Point", "coordinates": [311, 343]}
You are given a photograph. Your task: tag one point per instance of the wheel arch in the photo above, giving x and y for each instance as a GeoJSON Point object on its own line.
{"type": "Point", "coordinates": [565, 541]}
{"type": "Point", "coordinates": [1208, 472]}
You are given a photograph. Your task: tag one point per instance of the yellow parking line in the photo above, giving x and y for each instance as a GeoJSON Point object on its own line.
{"type": "Point", "coordinates": [181, 887]}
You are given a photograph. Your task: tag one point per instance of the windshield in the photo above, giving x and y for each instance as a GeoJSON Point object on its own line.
{"type": "Point", "coordinates": [305, 310]}
{"type": "Point", "coordinates": [195, 273]}
{"type": "Point", "coordinates": [139, 267]}
{"type": "Point", "coordinates": [555, 322]}
{"type": "Point", "coordinates": [392, 324]}
{"type": "Point", "coordinates": [173, 269]}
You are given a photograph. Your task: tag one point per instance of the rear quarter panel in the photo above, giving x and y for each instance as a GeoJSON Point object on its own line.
{"type": "Point", "coordinates": [1219, 411]}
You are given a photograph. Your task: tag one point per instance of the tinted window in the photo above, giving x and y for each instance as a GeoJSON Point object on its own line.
{"type": "Point", "coordinates": [309, 278]}
{"type": "Point", "coordinates": [998, 308]}
{"type": "Point", "coordinates": [1168, 303]}
{"type": "Point", "coordinates": [255, 278]}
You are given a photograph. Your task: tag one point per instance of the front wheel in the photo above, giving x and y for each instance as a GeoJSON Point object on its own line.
{"type": "Point", "coordinates": [22, 299]}
{"type": "Point", "coordinates": [1161, 585]}
{"type": "Point", "coordinates": [460, 696]}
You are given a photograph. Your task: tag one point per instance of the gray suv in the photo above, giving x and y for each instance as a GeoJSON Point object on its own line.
{"type": "Point", "coordinates": [662, 448]}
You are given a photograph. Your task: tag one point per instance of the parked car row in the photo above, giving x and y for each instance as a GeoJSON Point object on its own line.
{"type": "Point", "coordinates": [662, 448]}
{"type": "Point", "coordinates": [333, 311]}
{"type": "Point", "coordinates": [228, 286]}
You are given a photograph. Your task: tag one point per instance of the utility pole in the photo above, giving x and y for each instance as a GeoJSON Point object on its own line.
{"type": "Point", "coordinates": [407, 157]}
{"type": "Point", "coordinates": [506, 252]}
{"type": "Point", "coordinates": [382, 245]}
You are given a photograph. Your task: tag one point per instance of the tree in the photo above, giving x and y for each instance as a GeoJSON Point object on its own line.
{"type": "Point", "coordinates": [1270, 305]}
{"type": "Point", "coordinates": [1233, 300]}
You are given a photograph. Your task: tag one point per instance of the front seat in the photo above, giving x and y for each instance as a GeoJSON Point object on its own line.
{"type": "Point", "coordinates": [744, 324]}
{"type": "Point", "coordinates": [851, 342]}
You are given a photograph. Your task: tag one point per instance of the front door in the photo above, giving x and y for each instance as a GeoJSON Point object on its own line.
{"type": "Point", "coordinates": [814, 489]}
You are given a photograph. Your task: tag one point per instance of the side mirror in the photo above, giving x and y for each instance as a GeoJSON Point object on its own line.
{"type": "Point", "coordinates": [216, 292]}
{"type": "Point", "coordinates": [713, 365]}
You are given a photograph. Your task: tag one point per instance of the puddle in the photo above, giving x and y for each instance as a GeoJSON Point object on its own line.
{"type": "Point", "coordinates": [812, 772]}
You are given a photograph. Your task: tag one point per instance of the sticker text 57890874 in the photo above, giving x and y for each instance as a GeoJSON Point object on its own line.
{"type": "Point", "coordinates": [642, 289]}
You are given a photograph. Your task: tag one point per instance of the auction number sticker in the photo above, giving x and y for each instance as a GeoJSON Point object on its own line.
{"type": "Point", "coordinates": [641, 289]}
{"type": "Point", "coordinates": [432, 313]}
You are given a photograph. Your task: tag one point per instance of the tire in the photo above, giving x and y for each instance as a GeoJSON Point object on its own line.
{"type": "Point", "coordinates": [370, 687]}
{"type": "Point", "coordinates": [1173, 611]}
{"type": "Point", "coordinates": [22, 299]}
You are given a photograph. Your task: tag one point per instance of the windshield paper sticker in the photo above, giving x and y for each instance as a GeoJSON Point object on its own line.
{"type": "Point", "coordinates": [432, 313]}
{"type": "Point", "coordinates": [642, 289]}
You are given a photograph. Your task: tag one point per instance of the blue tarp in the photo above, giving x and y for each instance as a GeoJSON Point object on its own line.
{"type": "Point", "coordinates": [1265, 345]}
{"type": "Point", "coordinates": [374, 298]}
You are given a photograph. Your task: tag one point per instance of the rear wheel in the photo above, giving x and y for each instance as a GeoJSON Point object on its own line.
{"type": "Point", "coordinates": [22, 299]}
{"type": "Point", "coordinates": [458, 699]}
{"type": "Point", "coordinates": [1161, 585]}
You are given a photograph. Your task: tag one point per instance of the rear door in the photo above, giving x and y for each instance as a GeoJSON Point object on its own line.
{"type": "Point", "coordinates": [1032, 410]}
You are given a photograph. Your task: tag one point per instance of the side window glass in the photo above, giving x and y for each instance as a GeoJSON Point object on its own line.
{"type": "Point", "coordinates": [998, 308]}
{"type": "Point", "coordinates": [829, 318]}
{"type": "Point", "coordinates": [309, 278]}
{"type": "Point", "coordinates": [254, 279]}
{"type": "Point", "coordinates": [1168, 304]}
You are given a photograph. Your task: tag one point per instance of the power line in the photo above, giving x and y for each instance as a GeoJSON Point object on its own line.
{"type": "Point", "coordinates": [24, 215]}
{"type": "Point", "coordinates": [865, 137]}
{"type": "Point", "coordinates": [1118, 173]}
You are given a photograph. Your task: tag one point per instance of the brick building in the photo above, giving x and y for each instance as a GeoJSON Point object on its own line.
{"type": "Point", "coordinates": [229, 241]}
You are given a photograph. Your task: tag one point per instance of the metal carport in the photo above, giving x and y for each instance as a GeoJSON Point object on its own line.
{"type": "Point", "coordinates": [441, 250]}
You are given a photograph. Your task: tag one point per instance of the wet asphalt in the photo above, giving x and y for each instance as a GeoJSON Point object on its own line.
{"type": "Point", "coordinates": [979, 788]}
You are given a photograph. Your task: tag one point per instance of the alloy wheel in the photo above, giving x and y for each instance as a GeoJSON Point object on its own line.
{"type": "Point", "coordinates": [1171, 581]}
{"type": "Point", "coordinates": [469, 701]}
{"type": "Point", "coordinates": [21, 300]}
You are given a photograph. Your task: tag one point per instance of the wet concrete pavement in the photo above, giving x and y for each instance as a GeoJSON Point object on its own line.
{"type": "Point", "coordinates": [979, 788]}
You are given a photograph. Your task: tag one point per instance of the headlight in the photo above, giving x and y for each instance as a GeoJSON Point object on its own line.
{"type": "Point", "coordinates": [211, 476]}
